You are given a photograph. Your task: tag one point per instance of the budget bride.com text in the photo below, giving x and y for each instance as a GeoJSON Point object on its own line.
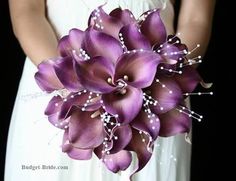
{"type": "Point", "coordinates": [43, 167]}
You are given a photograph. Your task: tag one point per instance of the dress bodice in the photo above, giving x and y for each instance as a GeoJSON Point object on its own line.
{"type": "Point", "coordinates": [67, 14]}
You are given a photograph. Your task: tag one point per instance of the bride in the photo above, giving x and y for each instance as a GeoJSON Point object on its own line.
{"type": "Point", "coordinates": [33, 146]}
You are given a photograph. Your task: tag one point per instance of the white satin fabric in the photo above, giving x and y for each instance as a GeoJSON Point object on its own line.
{"type": "Point", "coordinates": [34, 142]}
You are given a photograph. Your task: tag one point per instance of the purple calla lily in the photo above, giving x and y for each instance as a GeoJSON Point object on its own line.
{"type": "Point", "coordinates": [85, 132]}
{"type": "Point", "coordinates": [46, 77]}
{"type": "Point", "coordinates": [134, 39]}
{"type": "Point", "coordinates": [143, 151]}
{"type": "Point", "coordinates": [66, 74]}
{"type": "Point", "coordinates": [118, 161]}
{"type": "Point", "coordinates": [97, 43]}
{"type": "Point", "coordinates": [174, 122]}
{"type": "Point", "coordinates": [71, 42]}
{"type": "Point", "coordinates": [112, 23]}
{"type": "Point", "coordinates": [119, 80]}
{"type": "Point", "coordinates": [167, 93]}
{"type": "Point", "coordinates": [72, 151]}
{"type": "Point", "coordinates": [153, 28]}
{"type": "Point", "coordinates": [126, 103]}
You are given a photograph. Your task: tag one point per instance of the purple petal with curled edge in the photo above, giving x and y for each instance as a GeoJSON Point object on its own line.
{"type": "Point", "coordinates": [126, 105]}
{"type": "Point", "coordinates": [133, 39]}
{"type": "Point", "coordinates": [73, 152]}
{"type": "Point", "coordinates": [53, 111]}
{"type": "Point", "coordinates": [54, 105]}
{"type": "Point", "coordinates": [174, 122]}
{"type": "Point", "coordinates": [94, 74]}
{"type": "Point", "coordinates": [118, 161]}
{"type": "Point", "coordinates": [139, 144]}
{"type": "Point", "coordinates": [166, 92]}
{"type": "Point", "coordinates": [79, 100]}
{"type": "Point", "coordinates": [182, 48]}
{"type": "Point", "coordinates": [100, 44]}
{"type": "Point", "coordinates": [138, 67]}
{"type": "Point", "coordinates": [85, 132]}
{"type": "Point", "coordinates": [188, 80]}
{"type": "Point", "coordinates": [123, 135]}
{"type": "Point", "coordinates": [46, 77]}
{"type": "Point", "coordinates": [58, 110]}
{"type": "Point", "coordinates": [64, 46]}
{"type": "Point", "coordinates": [125, 16]}
{"type": "Point", "coordinates": [101, 21]}
{"type": "Point", "coordinates": [99, 151]}
{"type": "Point", "coordinates": [75, 38]}
{"type": "Point", "coordinates": [67, 75]}
{"type": "Point", "coordinates": [153, 28]}
{"type": "Point", "coordinates": [173, 50]}
{"type": "Point", "coordinates": [176, 41]}
{"type": "Point", "coordinates": [149, 123]}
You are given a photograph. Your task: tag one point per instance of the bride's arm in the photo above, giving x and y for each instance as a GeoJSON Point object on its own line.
{"type": "Point", "coordinates": [33, 30]}
{"type": "Point", "coordinates": [195, 22]}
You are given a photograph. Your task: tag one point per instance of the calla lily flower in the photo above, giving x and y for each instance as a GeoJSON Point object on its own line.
{"type": "Point", "coordinates": [112, 23]}
{"type": "Point", "coordinates": [74, 152]}
{"type": "Point", "coordinates": [120, 81]}
{"type": "Point", "coordinates": [147, 32]}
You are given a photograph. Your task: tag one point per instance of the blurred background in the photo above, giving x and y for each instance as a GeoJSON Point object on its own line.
{"type": "Point", "coordinates": [205, 156]}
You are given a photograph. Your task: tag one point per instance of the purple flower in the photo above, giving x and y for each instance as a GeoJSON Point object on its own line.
{"type": "Point", "coordinates": [120, 81]}
{"type": "Point", "coordinates": [119, 85]}
{"type": "Point", "coordinates": [148, 32]}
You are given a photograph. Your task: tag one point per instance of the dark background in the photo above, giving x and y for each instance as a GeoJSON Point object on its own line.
{"type": "Point", "coordinates": [206, 145]}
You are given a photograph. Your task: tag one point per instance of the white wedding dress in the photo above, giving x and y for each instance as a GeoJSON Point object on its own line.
{"type": "Point", "coordinates": [33, 142]}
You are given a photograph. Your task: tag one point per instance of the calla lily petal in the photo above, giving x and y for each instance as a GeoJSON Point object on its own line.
{"type": "Point", "coordinates": [126, 106]}
{"type": "Point", "coordinates": [153, 28]}
{"type": "Point", "coordinates": [85, 132]}
{"type": "Point", "coordinates": [75, 38]}
{"type": "Point", "coordinates": [172, 50]}
{"type": "Point", "coordinates": [101, 21]}
{"type": "Point", "coordinates": [54, 105]}
{"type": "Point", "coordinates": [80, 100]}
{"type": "Point", "coordinates": [188, 80]}
{"type": "Point", "coordinates": [166, 92]}
{"type": "Point", "coordinates": [139, 67]}
{"type": "Point", "coordinates": [123, 135]}
{"type": "Point", "coordinates": [67, 75]}
{"type": "Point", "coordinates": [64, 46]}
{"type": "Point", "coordinates": [118, 161]}
{"type": "Point", "coordinates": [133, 39]}
{"type": "Point", "coordinates": [143, 152]}
{"type": "Point", "coordinates": [124, 15]}
{"type": "Point", "coordinates": [75, 153]}
{"type": "Point", "coordinates": [94, 74]}
{"type": "Point", "coordinates": [149, 123]}
{"type": "Point", "coordinates": [53, 111]}
{"type": "Point", "coordinates": [100, 44]}
{"type": "Point", "coordinates": [174, 122]}
{"type": "Point", "coordinates": [181, 50]}
{"type": "Point", "coordinates": [46, 77]}
{"type": "Point", "coordinates": [59, 109]}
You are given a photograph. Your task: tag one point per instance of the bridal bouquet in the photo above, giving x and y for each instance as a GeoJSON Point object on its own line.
{"type": "Point", "coordinates": [119, 85]}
